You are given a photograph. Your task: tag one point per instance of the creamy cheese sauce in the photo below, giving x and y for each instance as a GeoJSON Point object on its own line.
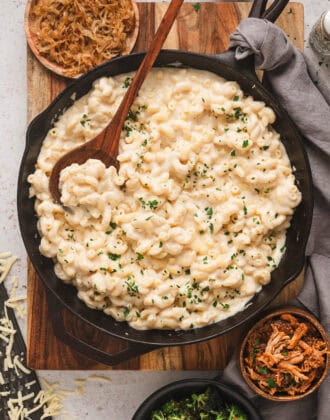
{"type": "Point", "coordinates": [193, 224]}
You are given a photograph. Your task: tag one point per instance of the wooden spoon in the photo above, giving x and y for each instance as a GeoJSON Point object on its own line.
{"type": "Point", "coordinates": [105, 146]}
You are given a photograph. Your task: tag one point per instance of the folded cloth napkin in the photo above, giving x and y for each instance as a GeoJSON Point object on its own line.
{"type": "Point", "coordinates": [290, 76]}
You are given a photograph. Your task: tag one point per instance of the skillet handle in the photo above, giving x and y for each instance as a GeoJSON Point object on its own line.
{"type": "Point", "coordinates": [258, 10]}
{"type": "Point", "coordinates": [274, 11]}
{"type": "Point", "coordinates": [132, 350]}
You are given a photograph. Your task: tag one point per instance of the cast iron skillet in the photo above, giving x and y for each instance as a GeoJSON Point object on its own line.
{"type": "Point", "coordinates": [182, 389]}
{"type": "Point", "coordinates": [66, 296]}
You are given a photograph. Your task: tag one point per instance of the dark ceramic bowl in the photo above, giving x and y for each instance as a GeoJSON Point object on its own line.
{"type": "Point", "coordinates": [305, 317]}
{"type": "Point", "coordinates": [181, 389]}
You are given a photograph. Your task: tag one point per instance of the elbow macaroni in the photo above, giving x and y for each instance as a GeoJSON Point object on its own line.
{"type": "Point", "coordinates": [194, 222]}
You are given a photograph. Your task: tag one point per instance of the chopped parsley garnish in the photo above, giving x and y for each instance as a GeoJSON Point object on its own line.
{"type": "Point", "coordinates": [235, 98]}
{"type": "Point", "coordinates": [113, 257]}
{"type": "Point", "coordinates": [113, 225]}
{"type": "Point", "coordinates": [263, 370]}
{"type": "Point", "coordinates": [245, 143]}
{"type": "Point", "coordinates": [211, 227]}
{"type": "Point", "coordinates": [127, 129]}
{"type": "Point", "coordinates": [126, 312]}
{"type": "Point", "coordinates": [233, 153]}
{"type": "Point", "coordinates": [127, 82]}
{"type": "Point", "coordinates": [265, 147]}
{"type": "Point", "coordinates": [84, 120]}
{"type": "Point", "coordinates": [132, 115]}
{"type": "Point", "coordinates": [209, 211]}
{"type": "Point", "coordinates": [225, 305]}
{"type": "Point", "coordinates": [271, 383]}
{"type": "Point", "coordinates": [245, 210]}
{"type": "Point", "coordinates": [132, 287]}
{"type": "Point", "coordinates": [160, 244]}
{"type": "Point", "coordinates": [187, 271]}
{"type": "Point", "coordinates": [139, 256]}
{"type": "Point", "coordinates": [196, 6]}
{"type": "Point", "coordinates": [152, 204]}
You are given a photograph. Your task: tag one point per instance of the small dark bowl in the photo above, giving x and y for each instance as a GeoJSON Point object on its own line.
{"type": "Point", "coordinates": [181, 389]}
{"type": "Point", "coordinates": [306, 316]}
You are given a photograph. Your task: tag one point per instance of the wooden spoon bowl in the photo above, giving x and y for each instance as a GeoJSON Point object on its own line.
{"type": "Point", "coordinates": [30, 27]}
{"type": "Point", "coordinates": [105, 146]}
{"type": "Point", "coordinates": [305, 316]}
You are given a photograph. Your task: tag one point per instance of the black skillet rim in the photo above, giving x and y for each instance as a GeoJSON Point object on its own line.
{"type": "Point", "coordinates": [181, 337]}
{"type": "Point", "coordinates": [160, 396]}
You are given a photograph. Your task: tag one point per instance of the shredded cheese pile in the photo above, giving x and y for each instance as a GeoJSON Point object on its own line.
{"type": "Point", "coordinates": [48, 399]}
{"type": "Point", "coordinates": [79, 35]}
{"type": "Point", "coordinates": [51, 398]}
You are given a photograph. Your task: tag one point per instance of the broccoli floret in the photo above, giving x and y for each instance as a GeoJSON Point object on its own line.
{"type": "Point", "coordinates": [204, 406]}
{"type": "Point", "coordinates": [221, 416]}
{"type": "Point", "coordinates": [158, 415]}
{"type": "Point", "coordinates": [199, 400]}
{"type": "Point", "coordinates": [235, 413]}
{"type": "Point", "coordinates": [171, 407]}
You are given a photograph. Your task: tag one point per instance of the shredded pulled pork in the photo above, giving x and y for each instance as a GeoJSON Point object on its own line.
{"type": "Point", "coordinates": [285, 356]}
{"type": "Point", "coordinates": [80, 34]}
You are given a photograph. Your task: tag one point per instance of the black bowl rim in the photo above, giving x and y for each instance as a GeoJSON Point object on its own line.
{"type": "Point", "coordinates": [231, 392]}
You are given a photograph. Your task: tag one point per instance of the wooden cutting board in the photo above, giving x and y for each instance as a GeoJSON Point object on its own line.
{"type": "Point", "coordinates": [205, 31]}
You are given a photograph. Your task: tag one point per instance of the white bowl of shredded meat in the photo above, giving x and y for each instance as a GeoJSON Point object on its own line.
{"type": "Point", "coordinates": [285, 356]}
{"type": "Point", "coordinates": [71, 38]}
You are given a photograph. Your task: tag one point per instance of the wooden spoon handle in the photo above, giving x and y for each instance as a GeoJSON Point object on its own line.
{"type": "Point", "coordinates": [110, 142]}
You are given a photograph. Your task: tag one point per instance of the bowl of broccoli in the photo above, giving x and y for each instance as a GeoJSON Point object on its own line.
{"type": "Point", "coordinates": [197, 399]}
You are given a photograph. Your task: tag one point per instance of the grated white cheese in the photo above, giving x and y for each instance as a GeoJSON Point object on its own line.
{"type": "Point", "coordinates": [98, 378]}
{"type": "Point", "coordinates": [6, 262]}
{"type": "Point", "coordinates": [50, 398]}
{"type": "Point", "coordinates": [19, 364]}
{"type": "Point", "coordinates": [16, 302]}
{"type": "Point", "coordinates": [4, 393]}
{"type": "Point", "coordinates": [5, 339]}
{"type": "Point", "coordinates": [29, 384]}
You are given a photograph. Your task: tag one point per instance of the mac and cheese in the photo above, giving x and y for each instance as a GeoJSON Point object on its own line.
{"type": "Point", "coordinates": [191, 227]}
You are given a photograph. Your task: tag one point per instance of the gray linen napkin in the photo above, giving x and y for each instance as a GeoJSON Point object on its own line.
{"type": "Point", "coordinates": [290, 76]}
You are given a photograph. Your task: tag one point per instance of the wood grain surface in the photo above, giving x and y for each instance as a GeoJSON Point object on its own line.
{"type": "Point", "coordinates": [205, 31]}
